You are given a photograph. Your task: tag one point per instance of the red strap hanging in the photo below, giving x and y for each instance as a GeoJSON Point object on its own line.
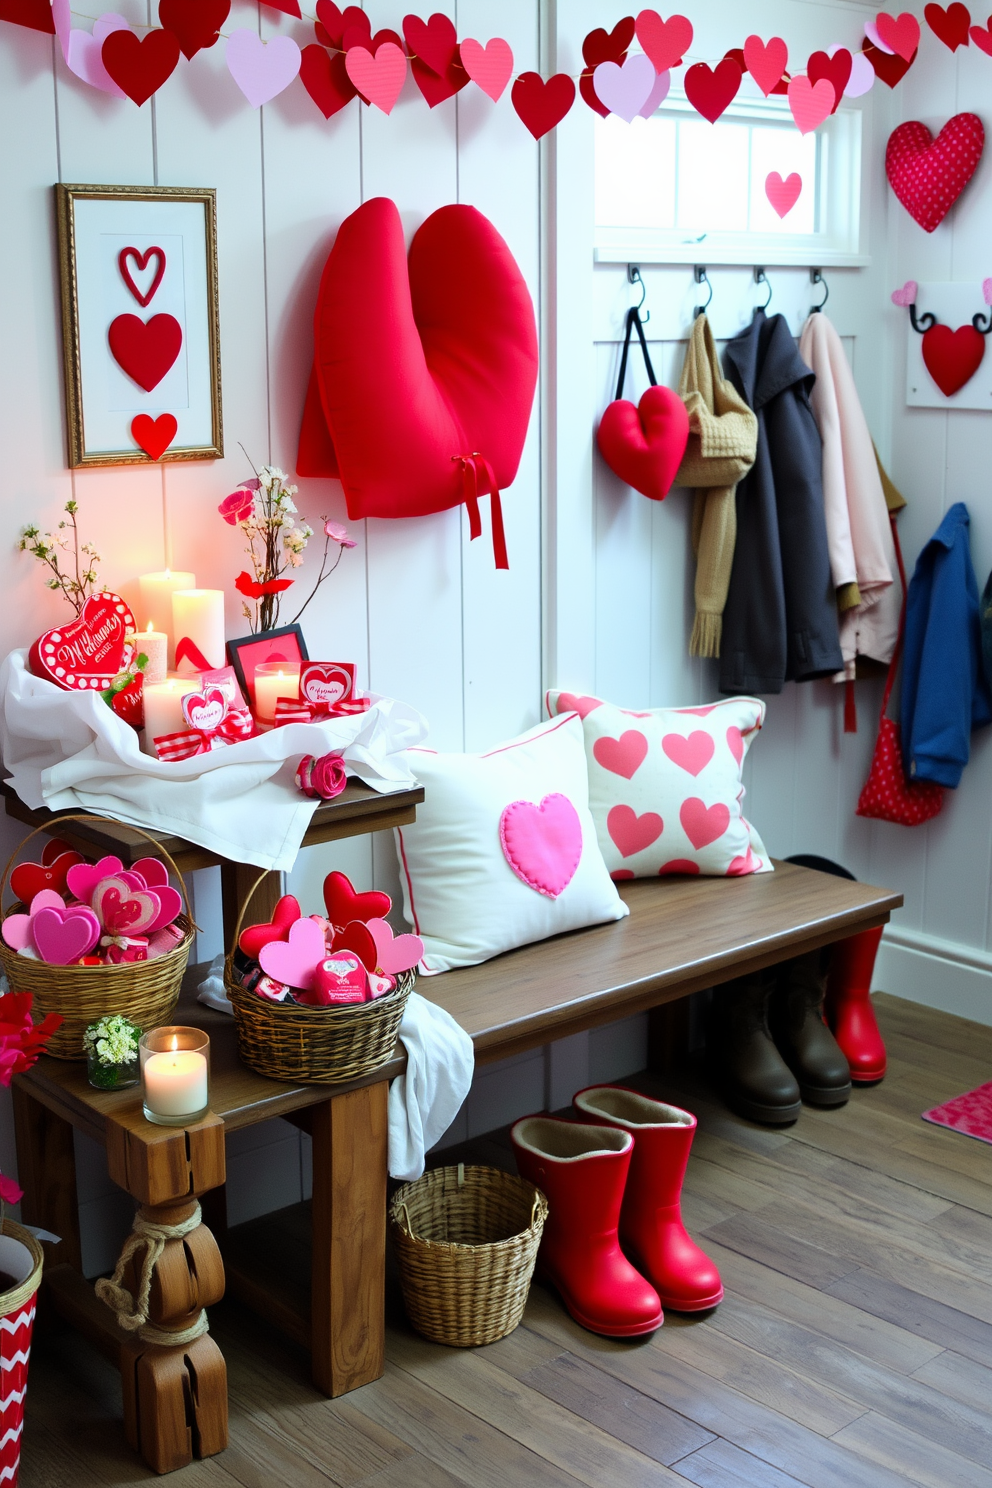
{"type": "Point", "coordinates": [471, 465]}
{"type": "Point", "coordinates": [850, 708]}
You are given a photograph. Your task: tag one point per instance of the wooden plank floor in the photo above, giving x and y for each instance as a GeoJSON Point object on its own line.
{"type": "Point", "coordinates": [853, 1350]}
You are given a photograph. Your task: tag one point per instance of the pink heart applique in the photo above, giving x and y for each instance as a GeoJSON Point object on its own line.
{"type": "Point", "coordinates": [987, 291]}
{"type": "Point", "coordinates": [703, 824]}
{"type": "Point", "coordinates": [568, 702]}
{"type": "Point", "coordinates": [394, 953]}
{"type": "Point", "coordinates": [16, 931]}
{"type": "Point", "coordinates": [542, 844]}
{"type": "Point", "coordinates": [632, 833]}
{"type": "Point", "coordinates": [906, 295]}
{"type": "Point", "coordinates": [735, 742]}
{"type": "Point", "coordinates": [122, 910]}
{"type": "Point", "coordinates": [294, 961]}
{"type": "Point", "coordinates": [83, 878]}
{"type": "Point", "coordinates": [60, 941]}
{"type": "Point", "coordinates": [623, 756]}
{"type": "Point", "coordinates": [152, 870]}
{"type": "Point", "coordinates": [678, 865]}
{"type": "Point", "coordinates": [692, 754]}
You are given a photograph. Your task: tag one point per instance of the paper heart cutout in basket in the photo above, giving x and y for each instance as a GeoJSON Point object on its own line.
{"type": "Point", "coordinates": [395, 953]}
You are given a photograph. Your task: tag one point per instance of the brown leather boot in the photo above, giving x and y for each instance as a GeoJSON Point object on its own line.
{"type": "Point", "coordinates": [803, 1038]}
{"type": "Point", "coordinates": [754, 1079]}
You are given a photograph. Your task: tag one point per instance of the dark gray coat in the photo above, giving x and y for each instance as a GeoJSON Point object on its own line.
{"type": "Point", "coordinates": [780, 620]}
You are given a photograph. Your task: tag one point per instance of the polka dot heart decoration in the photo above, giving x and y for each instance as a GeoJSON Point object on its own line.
{"type": "Point", "coordinates": [928, 175]}
{"type": "Point", "coordinates": [88, 653]}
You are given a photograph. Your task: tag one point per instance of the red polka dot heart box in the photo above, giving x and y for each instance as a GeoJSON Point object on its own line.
{"type": "Point", "coordinates": [88, 652]}
{"type": "Point", "coordinates": [928, 175]}
{"type": "Point", "coordinates": [665, 788]}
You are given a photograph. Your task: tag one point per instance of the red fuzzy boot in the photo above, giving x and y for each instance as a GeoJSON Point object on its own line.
{"type": "Point", "coordinates": [582, 1171]}
{"type": "Point", "coordinates": [651, 1218]}
{"type": "Point", "coordinates": [848, 1006]}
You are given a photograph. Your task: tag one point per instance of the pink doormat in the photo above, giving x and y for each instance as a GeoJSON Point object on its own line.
{"type": "Point", "coordinates": [969, 1114]}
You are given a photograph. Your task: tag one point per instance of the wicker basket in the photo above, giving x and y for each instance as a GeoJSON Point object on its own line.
{"type": "Point", "coordinates": [466, 1241]}
{"type": "Point", "coordinates": [143, 991]}
{"type": "Point", "coordinates": [313, 1045]}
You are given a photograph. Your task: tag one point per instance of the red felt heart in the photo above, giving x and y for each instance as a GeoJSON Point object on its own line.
{"type": "Point", "coordinates": [665, 42]}
{"type": "Point", "coordinates": [331, 23]}
{"type": "Point", "coordinates": [539, 104]}
{"type": "Point", "coordinates": [141, 261]}
{"type": "Point", "coordinates": [286, 913]}
{"type": "Point", "coordinates": [356, 937]}
{"type": "Point", "coordinates": [87, 654]}
{"type": "Point", "coordinates": [644, 445]}
{"type": "Point", "coordinates": [197, 23]}
{"type": "Point", "coordinates": [154, 435]}
{"type": "Point", "coordinates": [140, 67]}
{"type": "Point", "coordinates": [326, 79]}
{"type": "Point", "coordinates": [836, 70]}
{"type": "Point", "coordinates": [950, 25]}
{"type": "Point", "coordinates": [928, 175]}
{"type": "Point", "coordinates": [29, 879]}
{"type": "Point", "coordinates": [983, 37]}
{"type": "Point", "coordinates": [145, 350]}
{"type": "Point", "coordinates": [344, 903]}
{"type": "Point", "coordinates": [710, 90]}
{"type": "Point", "coordinates": [54, 848]}
{"type": "Point", "coordinates": [37, 14]}
{"type": "Point", "coordinates": [889, 68]}
{"type": "Point", "coordinates": [952, 357]}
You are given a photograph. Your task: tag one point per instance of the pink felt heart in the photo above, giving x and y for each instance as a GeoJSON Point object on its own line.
{"type": "Point", "coordinates": [987, 291]}
{"type": "Point", "coordinates": [810, 103]}
{"type": "Point", "coordinates": [692, 754]}
{"type": "Point", "coordinates": [542, 844]}
{"type": "Point", "coordinates": [703, 824]}
{"type": "Point", "coordinates": [623, 756]}
{"type": "Point", "coordinates": [17, 931]}
{"type": "Point", "coordinates": [490, 67]}
{"type": "Point", "coordinates": [46, 899]}
{"type": "Point", "coordinates": [906, 295]}
{"type": "Point", "coordinates": [262, 69]}
{"type": "Point", "coordinates": [61, 941]}
{"type": "Point", "coordinates": [625, 90]}
{"type": "Point", "coordinates": [84, 53]}
{"type": "Point", "coordinates": [152, 870]}
{"type": "Point", "coordinates": [631, 833]}
{"type": "Point", "coordinates": [295, 961]}
{"type": "Point", "coordinates": [122, 910]}
{"type": "Point", "coordinates": [82, 878]}
{"type": "Point", "coordinates": [394, 953]}
{"type": "Point", "coordinates": [378, 78]}
{"type": "Point", "coordinates": [783, 195]}
{"type": "Point", "coordinates": [568, 702]}
{"type": "Point", "coordinates": [172, 906]}
{"type": "Point", "coordinates": [735, 742]}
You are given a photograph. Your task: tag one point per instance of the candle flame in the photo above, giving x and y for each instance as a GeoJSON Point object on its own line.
{"type": "Point", "coordinates": [175, 1042]}
{"type": "Point", "coordinates": [168, 573]}
{"type": "Point", "coordinates": [150, 627]}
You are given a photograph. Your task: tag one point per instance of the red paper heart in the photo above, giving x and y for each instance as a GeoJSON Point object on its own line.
{"type": "Point", "coordinates": [434, 42]}
{"type": "Point", "coordinates": [539, 104]}
{"type": "Point", "coordinates": [356, 937]}
{"type": "Point", "coordinates": [952, 357]}
{"type": "Point", "coordinates": [87, 654]}
{"type": "Point", "coordinates": [37, 14]}
{"type": "Point", "coordinates": [29, 879]}
{"type": "Point", "coordinates": [196, 23]}
{"type": "Point", "coordinates": [608, 46]}
{"type": "Point", "coordinates": [890, 69]}
{"type": "Point", "coordinates": [950, 25]}
{"type": "Point", "coordinates": [665, 42]}
{"type": "Point", "coordinates": [901, 34]}
{"type": "Point", "coordinates": [140, 67]}
{"type": "Point", "coordinates": [836, 70]}
{"type": "Point", "coordinates": [710, 90]}
{"type": "Point", "coordinates": [145, 350]}
{"type": "Point", "coordinates": [928, 175]}
{"type": "Point", "coordinates": [286, 913]}
{"type": "Point", "coordinates": [344, 903]}
{"type": "Point", "coordinates": [331, 23]}
{"type": "Point", "coordinates": [154, 436]}
{"type": "Point", "coordinates": [360, 35]}
{"type": "Point", "coordinates": [288, 7]}
{"type": "Point", "coordinates": [644, 445]}
{"type": "Point", "coordinates": [326, 79]}
{"type": "Point", "coordinates": [983, 37]}
{"type": "Point", "coordinates": [436, 89]}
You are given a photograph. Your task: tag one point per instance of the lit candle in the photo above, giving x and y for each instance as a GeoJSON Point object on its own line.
{"type": "Point", "coordinates": [198, 616]}
{"type": "Point", "coordinates": [155, 645]}
{"type": "Point", "coordinates": [157, 590]}
{"type": "Point", "coordinates": [274, 680]}
{"type": "Point", "coordinates": [175, 1074]}
{"type": "Point", "coordinates": [163, 708]}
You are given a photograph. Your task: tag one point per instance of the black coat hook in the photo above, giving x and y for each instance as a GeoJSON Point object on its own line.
{"type": "Point", "coordinates": [921, 323]}
{"type": "Point", "coordinates": [634, 277]}
{"type": "Point", "coordinates": [699, 275]}
{"type": "Point", "coordinates": [760, 277]}
{"type": "Point", "coordinates": [816, 277]}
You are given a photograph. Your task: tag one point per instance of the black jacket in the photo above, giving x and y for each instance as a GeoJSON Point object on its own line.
{"type": "Point", "coordinates": [780, 620]}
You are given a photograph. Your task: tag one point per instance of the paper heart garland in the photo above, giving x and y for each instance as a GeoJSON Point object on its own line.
{"type": "Point", "coordinates": [657, 96]}
{"type": "Point", "coordinates": [140, 67]}
{"type": "Point", "coordinates": [603, 46]}
{"type": "Point", "coordinates": [145, 350]}
{"type": "Point", "coordinates": [30, 879]}
{"type": "Point", "coordinates": [196, 23]}
{"type": "Point", "coordinates": [89, 652]}
{"type": "Point", "coordinates": [490, 67]}
{"type": "Point", "coordinates": [907, 295]}
{"type": "Point", "coordinates": [154, 435]}
{"type": "Point", "coordinates": [862, 78]}
{"type": "Point", "coordinates": [810, 103]}
{"type": "Point", "coordinates": [294, 961]}
{"type": "Point", "coordinates": [284, 916]}
{"type": "Point", "coordinates": [665, 42]}
{"type": "Point", "coordinates": [836, 66]}
{"type": "Point", "coordinates": [36, 14]}
{"type": "Point", "coordinates": [952, 357]}
{"type": "Point", "coordinates": [141, 261]}
{"type": "Point", "coordinates": [783, 195]}
{"type": "Point", "coordinates": [123, 910]}
{"type": "Point", "coordinates": [928, 175]}
{"type": "Point", "coordinates": [261, 69]}
{"type": "Point", "coordinates": [898, 35]}
{"type": "Point", "coordinates": [950, 25]}
{"type": "Point", "coordinates": [395, 953]}
{"type": "Point", "coordinates": [326, 79]}
{"type": "Point", "coordinates": [379, 77]}
{"type": "Point", "coordinates": [541, 105]}
{"type": "Point", "coordinates": [435, 63]}
{"type": "Point", "coordinates": [54, 848]}
{"type": "Point", "coordinates": [542, 843]}
{"type": "Point", "coordinates": [62, 936]}
{"type": "Point", "coordinates": [982, 37]}
{"type": "Point", "coordinates": [625, 90]}
{"type": "Point", "coordinates": [711, 90]}
{"type": "Point", "coordinates": [344, 903]}
{"type": "Point", "coordinates": [766, 61]}
{"type": "Point", "coordinates": [623, 756]}
{"type": "Point", "coordinates": [889, 68]}
{"type": "Point", "coordinates": [644, 445]}
{"type": "Point", "coordinates": [83, 53]}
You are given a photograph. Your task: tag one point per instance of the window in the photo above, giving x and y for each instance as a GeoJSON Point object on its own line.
{"type": "Point", "coordinates": [676, 189]}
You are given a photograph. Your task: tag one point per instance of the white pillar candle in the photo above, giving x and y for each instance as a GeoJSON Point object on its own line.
{"type": "Point", "coordinates": [198, 615]}
{"type": "Point", "coordinates": [175, 1083]}
{"type": "Point", "coordinates": [155, 608]}
{"type": "Point", "coordinates": [274, 680]}
{"type": "Point", "coordinates": [155, 645]}
{"type": "Point", "coordinates": [163, 708]}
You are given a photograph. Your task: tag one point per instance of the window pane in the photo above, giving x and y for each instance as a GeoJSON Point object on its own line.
{"type": "Point", "coordinates": [635, 172]}
{"type": "Point", "coordinates": [785, 151]}
{"type": "Point", "coordinates": [713, 177]}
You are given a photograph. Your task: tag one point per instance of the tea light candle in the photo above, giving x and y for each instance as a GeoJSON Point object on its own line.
{"type": "Point", "coordinates": [163, 708]}
{"type": "Point", "coordinates": [198, 615]}
{"type": "Point", "coordinates": [175, 1075]}
{"type": "Point", "coordinates": [155, 605]}
{"type": "Point", "coordinates": [274, 680]}
{"type": "Point", "coordinates": [155, 645]}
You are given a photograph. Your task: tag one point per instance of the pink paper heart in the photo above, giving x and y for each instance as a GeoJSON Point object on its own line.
{"type": "Point", "coordinates": [122, 910]}
{"type": "Point", "coordinates": [703, 824]}
{"type": "Point", "coordinates": [378, 78]}
{"type": "Point", "coordinates": [766, 61]}
{"type": "Point", "coordinates": [987, 291]}
{"type": "Point", "coordinates": [46, 899]}
{"type": "Point", "coordinates": [172, 905]}
{"type": "Point", "coordinates": [84, 53]}
{"type": "Point", "coordinates": [623, 756]}
{"type": "Point", "coordinates": [906, 295]}
{"type": "Point", "coordinates": [17, 931]}
{"type": "Point", "coordinates": [394, 953]}
{"type": "Point", "coordinates": [862, 78]}
{"type": "Point", "coordinates": [624, 90]}
{"type": "Point", "coordinates": [658, 94]}
{"type": "Point", "coordinates": [810, 103]}
{"type": "Point", "coordinates": [83, 878]}
{"type": "Point", "coordinates": [783, 195]}
{"type": "Point", "coordinates": [569, 702]}
{"type": "Point", "coordinates": [542, 844]}
{"type": "Point", "coordinates": [152, 870]}
{"type": "Point", "coordinates": [692, 754]}
{"type": "Point", "coordinates": [871, 31]}
{"type": "Point", "coordinates": [631, 833]}
{"type": "Point", "coordinates": [62, 19]}
{"type": "Point", "coordinates": [294, 961]}
{"type": "Point", "coordinates": [261, 69]}
{"type": "Point", "coordinates": [61, 941]}
{"type": "Point", "coordinates": [898, 35]}
{"type": "Point", "coordinates": [490, 67]}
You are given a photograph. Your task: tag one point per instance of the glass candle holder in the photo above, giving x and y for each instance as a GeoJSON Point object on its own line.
{"type": "Point", "coordinates": [274, 680]}
{"type": "Point", "coordinates": [175, 1075]}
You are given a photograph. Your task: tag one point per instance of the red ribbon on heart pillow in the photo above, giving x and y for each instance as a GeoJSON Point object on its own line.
{"type": "Point", "coordinates": [928, 175]}
{"type": "Point", "coordinates": [419, 366]}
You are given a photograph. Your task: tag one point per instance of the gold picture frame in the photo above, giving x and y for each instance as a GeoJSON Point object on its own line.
{"type": "Point", "coordinates": [102, 398]}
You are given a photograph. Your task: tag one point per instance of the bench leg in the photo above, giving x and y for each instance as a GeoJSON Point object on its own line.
{"type": "Point", "coordinates": [349, 1239]}
{"type": "Point", "coordinates": [46, 1170]}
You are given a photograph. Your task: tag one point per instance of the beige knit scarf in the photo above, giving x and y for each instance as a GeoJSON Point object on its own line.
{"type": "Point", "coordinates": [723, 441]}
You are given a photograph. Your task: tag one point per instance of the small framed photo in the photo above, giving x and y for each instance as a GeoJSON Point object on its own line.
{"type": "Point", "coordinates": [285, 644]}
{"type": "Point", "coordinates": [140, 323]}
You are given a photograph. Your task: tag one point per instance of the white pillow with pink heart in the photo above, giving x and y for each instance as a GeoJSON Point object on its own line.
{"type": "Point", "coordinates": [504, 849]}
{"type": "Point", "coordinates": [665, 786]}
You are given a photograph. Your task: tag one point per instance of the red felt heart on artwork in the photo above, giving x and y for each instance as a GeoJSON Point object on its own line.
{"type": "Point", "coordinates": [326, 79]}
{"type": "Point", "coordinates": [710, 90]}
{"type": "Point", "coordinates": [141, 261]}
{"type": "Point", "coordinates": [344, 904]}
{"type": "Point", "coordinates": [928, 175]}
{"type": "Point", "coordinates": [145, 350]}
{"type": "Point", "coordinates": [140, 67]}
{"type": "Point", "coordinates": [952, 357]}
{"type": "Point", "coordinates": [29, 879]}
{"type": "Point", "coordinates": [87, 654]}
{"type": "Point", "coordinates": [888, 67]}
{"type": "Point", "coordinates": [197, 23]}
{"type": "Point", "coordinates": [154, 436]}
{"type": "Point", "coordinates": [644, 445]}
{"type": "Point", "coordinates": [836, 70]}
{"type": "Point", "coordinates": [539, 104]}
{"type": "Point", "coordinates": [950, 25]}
{"type": "Point", "coordinates": [37, 14]}
{"type": "Point", "coordinates": [357, 937]}
{"type": "Point", "coordinates": [285, 914]}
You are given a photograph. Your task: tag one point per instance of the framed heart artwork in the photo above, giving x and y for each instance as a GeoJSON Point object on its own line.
{"type": "Point", "coordinates": [950, 366]}
{"type": "Point", "coordinates": [140, 324]}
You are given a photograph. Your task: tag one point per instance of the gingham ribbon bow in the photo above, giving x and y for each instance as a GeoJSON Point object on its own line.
{"type": "Point", "coordinates": [237, 724]}
{"type": "Point", "coordinates": [298, 710]}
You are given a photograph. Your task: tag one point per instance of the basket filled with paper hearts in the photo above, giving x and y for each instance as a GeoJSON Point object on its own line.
{"type": "Point", "coordinates": [92, 939]}
{"type": "Point", "coordinates": [320, 998]}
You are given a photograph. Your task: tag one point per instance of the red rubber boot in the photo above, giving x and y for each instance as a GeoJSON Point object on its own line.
{"type": "Point", "coordinates": [848, 1006]}
{"type": "Point", "coordinates": [582, 1171]}
{"type": "Point", "coordinates": [651, 1225]}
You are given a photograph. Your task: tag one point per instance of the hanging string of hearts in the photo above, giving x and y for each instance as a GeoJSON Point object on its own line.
{"type": "Point", "coordinates": [347, 60]}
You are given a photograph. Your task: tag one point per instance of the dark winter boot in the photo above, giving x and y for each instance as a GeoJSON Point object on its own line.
{"type": "Point", "coordinates": [803, 1038]}
{"type": "Point", "coordinates": [754, 1079]}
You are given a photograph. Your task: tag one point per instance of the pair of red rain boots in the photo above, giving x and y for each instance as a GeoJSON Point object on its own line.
{"type": "Point", "coordinates": [616, 1175]}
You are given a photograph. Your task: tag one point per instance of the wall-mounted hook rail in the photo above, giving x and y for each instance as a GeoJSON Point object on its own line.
{"type": "Point", "coordinates": [816, 277]}
{"type": "Point", "coordinates": [760, 277]}
{"type": "Point", "coordinates": [634, 277]}
{"type": "Point", "coordinates": [699, 275]}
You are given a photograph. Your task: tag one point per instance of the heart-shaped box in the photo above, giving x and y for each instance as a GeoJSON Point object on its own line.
{"type": "Point", "coordinates": [327, 683]}
{"type": "Point", "coordinates": [88, 653]}
{"type": "Point", "coordinates": [205, 710]}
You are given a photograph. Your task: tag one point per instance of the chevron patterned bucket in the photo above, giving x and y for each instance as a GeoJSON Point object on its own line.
{"type": "Point", "coordinates": [21, 1260]}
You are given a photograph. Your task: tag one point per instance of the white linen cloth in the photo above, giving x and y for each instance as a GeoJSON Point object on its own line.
{"type": "Point", "coordinates": [68, 750]}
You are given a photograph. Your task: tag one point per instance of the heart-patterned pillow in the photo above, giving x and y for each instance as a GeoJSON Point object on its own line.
{"type": "Point", "coordinates": [928, 175]}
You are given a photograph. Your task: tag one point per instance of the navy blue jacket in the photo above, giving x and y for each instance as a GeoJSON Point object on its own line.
{"type": "Point", "coordinates": [944, 691]}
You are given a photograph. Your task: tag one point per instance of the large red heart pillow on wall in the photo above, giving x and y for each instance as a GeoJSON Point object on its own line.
{"type": "Point", "coordinates": [928, 175]}
{"type": "Point", "coordinates": [419, 365]}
